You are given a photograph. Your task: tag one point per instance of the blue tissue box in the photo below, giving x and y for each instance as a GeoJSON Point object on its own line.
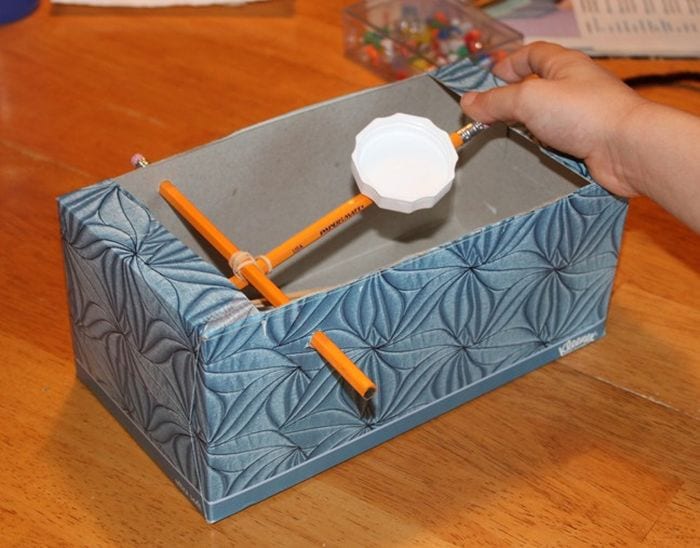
{"type": "Point", "coordinates": [511, 270]}
{"type": "Point", "coordinates": [13, 10]}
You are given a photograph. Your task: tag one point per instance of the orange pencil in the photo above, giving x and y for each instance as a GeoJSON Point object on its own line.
{"type": "Point", "coordinates": [222, 244]}
{"type": "Point", "coordinates": [342, 364]}
{"type": "Point", "coordinates": [308, 235]}
{"type": "Point", "coordinates": [336, 217]}
{"type": "Point", "coordinates": [244, 264]}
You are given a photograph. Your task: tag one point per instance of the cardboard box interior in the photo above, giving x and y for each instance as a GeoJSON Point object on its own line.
{"type": "Point", "coordinates": [264, 183]}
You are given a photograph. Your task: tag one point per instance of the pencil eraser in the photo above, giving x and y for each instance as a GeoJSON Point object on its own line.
{"type": "Point", "coordinates": [138, 160]}
{"type": "Point", "coordinates": [403, 162]}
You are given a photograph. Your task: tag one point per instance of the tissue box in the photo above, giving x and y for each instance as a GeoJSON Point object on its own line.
{"type": "Point", "coordinates": [400, 38]}
{"type": "Point", "coordinates": [510, 270]}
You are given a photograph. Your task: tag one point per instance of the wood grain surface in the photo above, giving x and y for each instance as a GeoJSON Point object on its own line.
{"type": "Point", "coordinates": [599, 448]}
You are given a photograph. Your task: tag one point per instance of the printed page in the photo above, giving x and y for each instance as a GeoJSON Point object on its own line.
{"type": "Point", "coordinates": [640, 27]}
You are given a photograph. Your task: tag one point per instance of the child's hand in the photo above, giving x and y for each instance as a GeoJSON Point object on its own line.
{"type": "Point", "coordinates": [574, 106]}
{"type": "Point", "coordinates": [631, 145]}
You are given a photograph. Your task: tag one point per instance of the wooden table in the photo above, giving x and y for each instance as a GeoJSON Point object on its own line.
{"type": "Point", "coordinates": [602, 446]}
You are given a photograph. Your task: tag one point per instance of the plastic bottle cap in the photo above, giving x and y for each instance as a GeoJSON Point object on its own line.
{"type": "Point", "coordinates": [403, 162]}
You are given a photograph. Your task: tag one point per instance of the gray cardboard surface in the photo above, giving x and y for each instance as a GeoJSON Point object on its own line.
{"type": "Point", "coordinates": [264, 183]}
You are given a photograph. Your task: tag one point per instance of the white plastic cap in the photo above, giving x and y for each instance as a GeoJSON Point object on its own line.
{"type": "Point", "coordinates": [403, 162]}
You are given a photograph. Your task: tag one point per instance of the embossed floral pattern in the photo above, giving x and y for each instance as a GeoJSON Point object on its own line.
{"type": "Point", "coordinates": [422, 329]}
{"type": "Point", "coordinates": [233, 397]}
{"type": "Point", "coordinates": [137, 299]}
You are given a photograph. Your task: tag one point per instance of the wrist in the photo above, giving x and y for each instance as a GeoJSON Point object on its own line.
{"type": "Point", "coordinates": [657, 155]}
{"type": "Point", "coordinates": [627, 142]}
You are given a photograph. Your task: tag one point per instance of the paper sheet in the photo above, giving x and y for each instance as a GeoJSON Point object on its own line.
{"type": "Point", "coordinates": [653, 27]}
{"type": "Point", "coordinates": [608, 27]}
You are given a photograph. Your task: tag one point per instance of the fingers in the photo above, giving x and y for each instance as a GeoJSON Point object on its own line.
{"type": "Point", "coordinates": [517, 102]}
{"type": "Point", "coordinates": [498, 104]}
{"type": "Point", "coordinates": [544, 59]}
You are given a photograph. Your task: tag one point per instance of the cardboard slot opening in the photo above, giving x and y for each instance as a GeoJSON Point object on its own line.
{"type": "Point", "coordinates": [264, 183]}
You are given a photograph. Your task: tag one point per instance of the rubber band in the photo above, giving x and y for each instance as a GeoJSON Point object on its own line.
{"type": "Point", "coordinates": [265, 259]}
{"type": "Point", "coordinates": [239, 260]}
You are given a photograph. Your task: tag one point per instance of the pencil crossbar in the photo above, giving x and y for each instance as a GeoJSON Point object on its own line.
{"type": "Point", "coordinates": [337, 217]}
{"type": "Point", "coordinates": [247, 268]}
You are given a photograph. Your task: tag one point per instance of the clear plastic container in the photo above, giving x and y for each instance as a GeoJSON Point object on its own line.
{"type": "Point", "coordinates": [400, 38]}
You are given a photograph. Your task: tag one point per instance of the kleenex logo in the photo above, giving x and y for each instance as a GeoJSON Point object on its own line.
{"type": "Point", "coordinates": [573, 344]}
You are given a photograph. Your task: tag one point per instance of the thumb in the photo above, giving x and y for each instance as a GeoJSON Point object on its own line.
{"type": "Point", "coordinates": [498, 104]}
